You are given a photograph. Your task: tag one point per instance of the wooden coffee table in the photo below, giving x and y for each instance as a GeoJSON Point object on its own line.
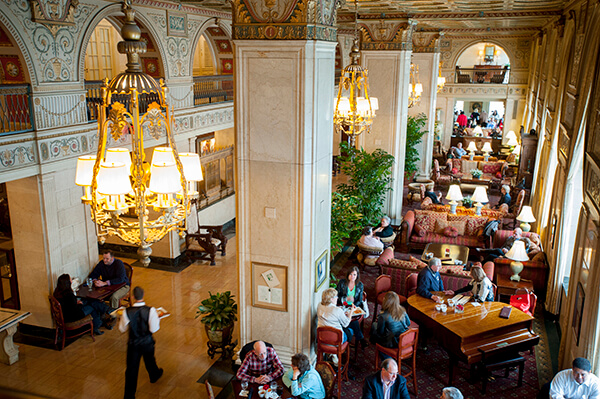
{"type": "Point", "coordinates": [457, 252]}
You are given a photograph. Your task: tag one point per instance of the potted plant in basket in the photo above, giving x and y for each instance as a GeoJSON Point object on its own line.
{"type": "Point", "coordinates": [219, 313]}
{"type": "Point", "coordinates": [476, 173]}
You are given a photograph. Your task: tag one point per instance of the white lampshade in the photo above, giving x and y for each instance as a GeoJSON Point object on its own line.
{"type": "Point", "coordinates": [191, 166]}
{"type": "Point", "coordinates": [113, 179]}
{"type": "Point", "coordinates": [511, 135]}
{"type": "Point", "coordinates": [374, 103]}
{"type": "Point", "coordinates": [162, 155]}
{"type": "Point", "coordinates": [164, 178]}
{"type": "Point", "coordinates": [344, 105]}
{"type": "Point", "coordinates": [418, 88]}
{"type": "Point", "coordinates": [477, 130]}
{"type": "Point", "coordinates": [85, 170]}
{"type": "Point", "coordinates": [472, 146]}
{"type": "Point", "coordinates": [517, 150]}
{"type": "Point", "coordinates": [480, 195]}
{"type": "Point", "coordinates": [441, 81]}
{"type": "Point", "coordinates": [362, 105]}
{"type": "Point", "coordinates": [526, 215]}
{"type": "Point", "coordinates": [518, 252]}
{"type": "Point", "coordinates": [114, 155]}
{"type": "Point", "coordinates": [512, 142]}
{"type": "Point", "coordinates": [454, 193]}
{"type": "Point", "coordinates": [487, 147]}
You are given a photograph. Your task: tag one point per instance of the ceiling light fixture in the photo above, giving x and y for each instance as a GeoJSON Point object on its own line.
{"type": "Point", "coordinates": [415, 88]}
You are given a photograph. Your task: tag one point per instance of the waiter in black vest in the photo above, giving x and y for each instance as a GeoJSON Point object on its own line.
{"type": "Point", "coordinates": [142, 321]}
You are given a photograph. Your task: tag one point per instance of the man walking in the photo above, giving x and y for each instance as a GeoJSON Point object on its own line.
{"type": "Point", "coordinates": [142, 322]}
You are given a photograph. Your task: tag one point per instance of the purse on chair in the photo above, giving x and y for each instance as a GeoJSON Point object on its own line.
{"type": "Point", "coordinates": [521, 300]}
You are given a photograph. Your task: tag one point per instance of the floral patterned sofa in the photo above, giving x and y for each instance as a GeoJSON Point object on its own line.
{"type": "Point", "coordinates": [420, 227]}
{"type": "Point", "coordinates": [494, 171]}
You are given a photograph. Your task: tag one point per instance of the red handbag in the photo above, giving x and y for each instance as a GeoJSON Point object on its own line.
{"type": "Point", "coordinates": [521, 300]}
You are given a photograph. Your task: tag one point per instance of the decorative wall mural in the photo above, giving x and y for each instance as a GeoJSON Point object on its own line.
{"type": "Point", "coordinates": [16, 155]}
{"type": "Point", "coordinates": [149, 44]}
{"type": "Point", "coordinates": [227, 65]}
{"type": "Point", "coordinates": [176, 24]}
{"type": "Point", "coordinates": [224, 46]}
{"type": "Point", "coordinates": [11, 70]}
{"type": "Point", "coordinates": [52, 13]}
{"type": "Point", "coordinates": [216, 31]}
{"type": "Point", "coordinates": [151, 66]}
{"type": "Point", "coordinates": [178, 50]}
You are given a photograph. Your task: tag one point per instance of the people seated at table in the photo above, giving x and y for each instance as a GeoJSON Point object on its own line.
{"type": "Point", "coordinates": [451, 393]}
{"type": "Point", "coordinates": [458, 151]}
{"type": "Point", "coordinates": [261, 365]}
{"type": "Point", "coordinates": [74, 309]}
{"type": "Point", "coordinates": [462, 119]}
{"type": "Point", "coordinates": [436, 198]}
{"type": "Point", "coordinates": [391, 322]}
{"type": "Point", "coordinates": [490, 254]}
{"type": "Point", "coordinates": [480, 286]}
{"type": "Point", "coordinates": [505, 197]}
{"type": "Point", "coordinates": [386, 383]}
{"type": "Point", "coordinates": [368, 239]}
{"type": "Point", "coordinates": [303, 380]}
{"type": "Point", "coordinates": [384, 229]}
{"type": "Point", "coordinates": [329, 315]}
{"type": "Point", "coordinates": [350, 292]}
{"type": "Point", "coordinates": [430, 281]}
{"type": "Point", "coordinates": [577, 382]}
{"type": "Point", "coordinates": [111, 271]}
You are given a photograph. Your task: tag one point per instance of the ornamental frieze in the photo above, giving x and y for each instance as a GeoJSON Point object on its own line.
{"type": "Point", "coordinates": [387, 35]}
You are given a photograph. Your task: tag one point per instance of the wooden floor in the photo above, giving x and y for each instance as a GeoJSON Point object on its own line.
{"type": "Point", "coordinates": [87, 369]}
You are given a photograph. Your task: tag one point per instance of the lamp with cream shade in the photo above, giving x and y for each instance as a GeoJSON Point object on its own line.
{"type": "Point", "coordinates": [119, 155]}
{"type": "Point", "coordinates": [526, 217]}
{"type": "Point", "coordinates": [479, 197]}
{"type": "Point", "coordinates": [113, 182]}
{"type": "Point", "coordinates": [510, 135]}
{"type": "Point", "coordinates": [454, 195]}
{"type": "Point", "coordinates": [472, 148]}
{"type": "Point", "coordinates": [487, 148]}
{"type": "Point", "coordinates": [191, 170]}
{"type": "Point", "coordinates": [517, 254]}
{"type": "Point", "coordinates": [478, 131]}
{"type": "Point", "coordinates": [512, 142]}
{"type": "Point", "coordinates": [84, 175]}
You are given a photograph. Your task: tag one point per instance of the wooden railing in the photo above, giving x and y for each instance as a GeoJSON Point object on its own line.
{"type": "Point", "coordinates": [483, 75]}
{"type": "Point", "coordinates": [213, 89]}
{"type": "Point", "coordinates": [15, 109]}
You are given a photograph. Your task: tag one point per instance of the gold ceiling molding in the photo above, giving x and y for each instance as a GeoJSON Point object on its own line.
{"type": "Point", "coordinates": [384, 35]}
{"type": "Point", "coordinates": [53, 14]}
{"type": "Point", "coordinates": [426, 42]}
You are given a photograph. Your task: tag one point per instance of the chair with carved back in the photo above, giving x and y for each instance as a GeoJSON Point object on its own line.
{"type": "Point", "coordinates": [407, 348]}
{"type": "Point", "coordinates": [329, 340]}
{"type": "Point", "coordinates": [204, 241]}
{"type": "Point", "coordinates": [327, 374]}
{"type": "Point", "coordinates": [515, 208]}
{"type": "Point", "coordinates": [126, 300]}
{"type": "Point", "coordinates": [81, 326]}
{"type": "Point", "coordinates": [437, 176]}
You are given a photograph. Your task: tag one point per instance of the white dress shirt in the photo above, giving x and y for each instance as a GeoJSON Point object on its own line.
{"type": "Point", "coordinates": [564, 386]}
{"type": "Point", "coordinates": [153, 320]}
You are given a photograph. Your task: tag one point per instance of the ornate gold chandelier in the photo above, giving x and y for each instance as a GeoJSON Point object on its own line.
{"type": "Point", "coordinates": [441, 81]}
{"type": "Point", "coordinates": [354, 112]}
{"type": "Point", "coordinates": [415, 88]}
{"type": "Point", "coordinates": [129, 198]}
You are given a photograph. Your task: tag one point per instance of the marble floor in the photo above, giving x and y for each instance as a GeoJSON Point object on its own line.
{"type": "Point", "coordinates": [87, 369]}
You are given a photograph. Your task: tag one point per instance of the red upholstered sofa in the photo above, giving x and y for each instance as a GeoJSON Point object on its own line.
{"type": "Point", "coordinates": [453, 277]}
{"type": "Point", "coordinates": [419, 229]}
{"type": "Point", "coordinates": [536, 269]}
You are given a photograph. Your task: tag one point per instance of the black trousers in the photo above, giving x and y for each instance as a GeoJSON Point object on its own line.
{"type": "Point", "coordinates": [134, 355]}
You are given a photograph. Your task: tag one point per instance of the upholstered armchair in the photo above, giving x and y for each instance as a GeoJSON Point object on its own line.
{"type": "Point", "coordinates": [515, 208]}
{"type": "Point", "coordinates": [439, 178]}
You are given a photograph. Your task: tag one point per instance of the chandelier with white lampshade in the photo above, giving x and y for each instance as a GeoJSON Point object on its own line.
{"type": "Point", "coordinates": [137, 201]}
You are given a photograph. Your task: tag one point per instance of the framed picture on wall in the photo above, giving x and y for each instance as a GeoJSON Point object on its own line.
{"type": "Point", "coordinates": [176, 24]}
{"type": "Point", "coordinates": [321, 270]}
{"type": "Point", "coordinates": [577, 312]}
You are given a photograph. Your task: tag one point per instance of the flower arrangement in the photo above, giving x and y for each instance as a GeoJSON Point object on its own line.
{"type": "Point", "coordinates": [476, 173]}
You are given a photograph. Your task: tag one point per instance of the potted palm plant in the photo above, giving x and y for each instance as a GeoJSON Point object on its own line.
{"type": "Point", "coordinates": [219, 313]}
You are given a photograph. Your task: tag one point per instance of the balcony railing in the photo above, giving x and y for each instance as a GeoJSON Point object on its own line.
{"type": "Point", "coordinates": [213, 89]}
{"type": "Point", "coordinates": [16, 115]}
{"type": "Point", "coordinates": [486, 74]}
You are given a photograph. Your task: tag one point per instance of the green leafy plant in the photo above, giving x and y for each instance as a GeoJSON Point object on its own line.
{"type": "Point", "coordinates": [332, 281]}
{"type": "Point", "coordinates": [414, 136]}
{"type": "Point", "coordinates": [370, 177]}
{"type": "Point", "coordinates": [467, 202]}
{"type": "Point", "coordinates": [219, 310]}
{"type": "Point", "coordinates": [476, 173]}
{"type": "Point", "coordinates": [345, 219]}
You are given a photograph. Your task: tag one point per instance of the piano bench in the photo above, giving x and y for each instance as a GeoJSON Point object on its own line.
{"type": "Point", "coordinates": [504, 362]}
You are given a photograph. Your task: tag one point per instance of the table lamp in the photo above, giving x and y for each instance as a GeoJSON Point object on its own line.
{"type": "Point", "coordinates": [454, 195]}
{"type": "Point", "coordinates": [487, 148]}
{"type": "Point", "coordinates": [471, 148]}
{"type": "Point", "coordinates": [517, 254]}
{"type": "Point", "coordinates": [479, 197]}
{"type": "Point", "coordinates": [512, 142]}
{"type": "Point", "coordinates": [510, 135]}
{"type": "Point", "coordinates": [526, 217]}
{"type": "Point", "coordinates": [478, 131]}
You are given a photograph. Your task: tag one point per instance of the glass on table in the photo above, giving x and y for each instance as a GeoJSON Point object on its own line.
{"type": "Point", "coordinates": [273, 386]}
{"type": "Point", "coordinates": [244, 385]}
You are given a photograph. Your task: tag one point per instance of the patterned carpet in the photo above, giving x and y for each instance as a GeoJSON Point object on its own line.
{"type": "Point", "coordinates": [432, 367]}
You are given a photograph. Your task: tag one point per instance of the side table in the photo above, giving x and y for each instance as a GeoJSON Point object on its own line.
{"type": "Point", "coordinates": [507, 287]}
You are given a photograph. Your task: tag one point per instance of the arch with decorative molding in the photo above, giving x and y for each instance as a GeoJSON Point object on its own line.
{"type": "Point", "coordinates": [473, 43]}
{"type": "Point", "coordinates": [23, 49]}
{"type": "Point", "coordinates": [203, 30]}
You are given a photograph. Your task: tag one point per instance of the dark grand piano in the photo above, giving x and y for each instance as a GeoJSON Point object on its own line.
{"type": "Point", "coordinates": [479, 329]}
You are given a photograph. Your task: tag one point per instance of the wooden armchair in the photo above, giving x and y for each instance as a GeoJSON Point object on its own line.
{"type": "Point", "coordinates": [206, 242]}
{"type": "Point", "coordinates": [515, 208]}
{"type": "Point", "coordinates": [126, 300]}
{"type": "Point", "coordinates": [82, 326]}
{"type": "Point", "coordinates": [438, 178]}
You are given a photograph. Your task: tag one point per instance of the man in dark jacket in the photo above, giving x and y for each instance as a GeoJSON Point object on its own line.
{"type": "Point", "coordinates": [142, 321]}
{"type": "Point", "coordinates": [429, 280]}
{"type": "Point", "coordinates": [111, 271]}
{"type": "Point", "coordinates": [387, 379]}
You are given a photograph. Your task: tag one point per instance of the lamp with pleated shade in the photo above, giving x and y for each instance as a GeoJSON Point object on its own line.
{"type": "Point", "coordinates": [113, 181]}
{"type": "Point", "coordinates": [479, 197]}
{"type": "Point", "coordinates": [526, 217]}
{"type": "Point", "coordinates": [517, 254]}
{"type": "Point", "coordinates": [84, 174]}
{"type": "Point", "coordinates": [454, 195]}
{"type": "Point", "coordinates": [487, 148]}
{"type": "Point", "coordinates": [472, 148]}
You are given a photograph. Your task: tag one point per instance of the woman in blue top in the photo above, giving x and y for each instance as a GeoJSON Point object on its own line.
{"type": "Point", "coordinates": [391, 322]}
{"type": "Point", "coordinates": [303, 380]}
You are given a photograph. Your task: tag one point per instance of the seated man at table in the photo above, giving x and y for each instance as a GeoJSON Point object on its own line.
{"type": "Point", "coordinates": [386, 383]}
{"type": "Point", "coordinates": [261, 365]}
{"type": "Point", "coordinates": [384, 229]}
{"type": "Point", "coordinates": [493, 253]}
{"type": "Point", "coordinates": [111, 271]}
{"type": "Point", "coordinates": [429, 281]}
{"type": "Point", "coordinates": [303, 380]}
{"type": "Point", "coordinates": [578, 382]}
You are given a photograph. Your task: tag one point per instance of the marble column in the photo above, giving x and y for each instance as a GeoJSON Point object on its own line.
{"type": "Point", "coordinates": [386, 55]}
{"type": "Point", "coordinates": [283, 127]}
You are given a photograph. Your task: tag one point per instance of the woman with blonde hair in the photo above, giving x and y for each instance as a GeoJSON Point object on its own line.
{"type": "Point", "coordinates": [391, 322]}
{"type": "Point", "coordinates": [480, 286]}
{"type": "Point", "coordinates": [329, 315]}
